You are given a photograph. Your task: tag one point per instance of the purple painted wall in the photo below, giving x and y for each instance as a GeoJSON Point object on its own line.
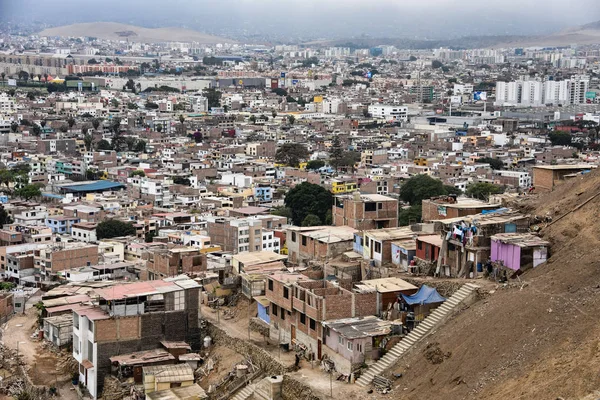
{"type": "Point", "coordinates": [508, 253]}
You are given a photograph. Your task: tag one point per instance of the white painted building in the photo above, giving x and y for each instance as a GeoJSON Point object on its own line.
{"type": "Point", "coordinates": [524, 177]}
{"type": "Point", "coordinates": [389, 112]}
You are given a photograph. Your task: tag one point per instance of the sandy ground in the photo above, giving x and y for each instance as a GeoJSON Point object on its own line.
{"type": "Point", "coordinates": [41, 364]}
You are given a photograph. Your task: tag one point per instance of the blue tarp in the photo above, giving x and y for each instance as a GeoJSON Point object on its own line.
{"type": "Point", "coordinates": [425, 295]}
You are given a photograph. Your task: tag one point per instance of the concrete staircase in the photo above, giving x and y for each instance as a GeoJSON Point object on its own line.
{"type": "Point", "coordinates": [245, 394]}
{"type": "Point", "coordinates": [436, 318]}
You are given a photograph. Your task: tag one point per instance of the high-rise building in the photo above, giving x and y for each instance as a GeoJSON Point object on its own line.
{"type": "Point", "coordinates": [579, 85]}
{"type": "Point", "coordinates": [532, 93]}
{"type": "Point", "coordinates": [557, 92]}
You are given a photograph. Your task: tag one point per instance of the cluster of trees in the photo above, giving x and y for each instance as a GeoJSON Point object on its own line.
{"type": "Point", "coordinates": [213, 96]}
{"type": "Point", "coordinates": [291, 154]}
{"type": "Point", "coordinates": [309, 205]}
{"type": "Point", "coordinates": [119, 142]}
{"type": "Point", "coordinates": [114, 228]}
{"type": "Point", "coordinates": [495, 163]}
{"type": "Point", "coordinates": [162, 88]}
{"type": "Point", "coordinates": [340, 157]}
{"type": "Point", "coordinates": [415, 190]}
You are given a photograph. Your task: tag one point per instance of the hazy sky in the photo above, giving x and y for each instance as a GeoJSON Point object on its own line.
{"type": "Point", "coordinates": [320, 18]}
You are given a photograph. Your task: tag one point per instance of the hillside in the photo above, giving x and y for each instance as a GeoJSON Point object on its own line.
{"type": "Point", "coordinates": [581, 35]}
{"type": "Point", "coordinates": [116, 31]}
{"type": "Point", "coordinates": [536, 341]}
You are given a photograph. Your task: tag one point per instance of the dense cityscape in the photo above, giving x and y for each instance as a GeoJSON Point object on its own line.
{"type": "Point", "coordinates": [188, 216]}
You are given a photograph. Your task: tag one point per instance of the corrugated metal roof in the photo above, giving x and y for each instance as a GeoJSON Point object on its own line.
{"type": "Point", "coordinates": [359, 327]}
{"type": "Point", "coordinates": [90, 187]}
{"type": "Point", "coordinates": [170, 373]}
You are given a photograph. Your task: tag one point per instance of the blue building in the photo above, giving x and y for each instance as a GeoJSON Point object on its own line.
{"type": "Point", "coordinates": [263, 193]}
{"type": "Point", "coordinates": [60, 224]}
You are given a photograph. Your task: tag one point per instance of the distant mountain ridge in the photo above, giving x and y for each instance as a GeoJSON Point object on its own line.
{"type": "Point", "coordinates": [117, 31]}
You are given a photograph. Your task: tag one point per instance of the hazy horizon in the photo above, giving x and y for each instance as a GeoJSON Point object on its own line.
{"type": "Point", "coordinates": [424, 19]}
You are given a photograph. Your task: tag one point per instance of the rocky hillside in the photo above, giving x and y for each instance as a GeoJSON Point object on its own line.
{"type": "Point", "coordinates": [538, 339]}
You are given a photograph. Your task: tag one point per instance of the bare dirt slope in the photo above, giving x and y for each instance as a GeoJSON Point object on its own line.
{"type": "Point", "coordinates": [540, 341]}
{"type": "Point", "coordinates": [116, 31]}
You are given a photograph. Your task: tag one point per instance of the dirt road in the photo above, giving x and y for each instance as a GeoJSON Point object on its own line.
{"type": "Point", "coordinates": [41, 364]}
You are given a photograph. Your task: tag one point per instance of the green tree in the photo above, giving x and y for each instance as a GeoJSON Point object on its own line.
{"type": "Point", "coordinates": [252, 119]}
{"type": "Point", "coordinates": [114, 103]}
{"type": "Point", "coordinates": [149, 236]}
{"type": "Point", "coordinates": [88, 140]}
{"type": "Point", "coordinates": [421, 187]}
{"type": "Point", "coordinates": [315, 164]}
{"type": "Point", "coordinates": [336, 152]}
{"type": "Point", "coordinates": [71, 122]}
{"type": "Point", "coordinates": [213, 96]}
{"type": "Point", "coordinates": [159, 128]}
{"type": "Point", "coordinates": [179, 180]}
{"type": "Point", "coordinates": [291, 154]}
{"type": "Point", "coordinates": [138, 172]}
{"type": "Point", "coordinates": [36, 130]}
{"type": "Point", "coordinates": [282, 212]}
{"type": "Point", "coordinates": [495, 163]}
{"type": "Point", "coordinates": [311, 220]}
{"type": "Point", "coordinates": [104, 145]}
{"type": "Point", "coordinates": [43, 123]}
{"type": "Point", "coordinates": [4, 217]}
{"type": "Point", "coordinates": [274, 113]}
{"type": "Point", "coordinates": [140, 146]}
{"type": "Point", "coordinates": [28, 192]}
{"type": "Point", "coordinates": [482, 190]}
{"type": "Point", "coordinates": [114, 228]}
{"type": "Point", "coordinates": [560, 138]}
{"type": "Point", "coordinates": [14, 127]}
{"type": "Point", "coordinates": [409, 215]}
{"type": "Point", "coordinates": [291, 119]}
{"type": "Point", "coordinates": [96, 123]}
{"type": "Point", "coordinates": [308, 198]}
{"type": "Point", "coordinates": [64, 128]}
{"type": "Point", "coordinates": [435, 64]}
{"type": "Point", "coordinates": [279, 91]}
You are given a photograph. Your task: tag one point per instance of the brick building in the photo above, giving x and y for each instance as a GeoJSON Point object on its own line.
{"type": "Point", "coordinates": [365, 211]}
{"type": "Point", "coordinates": [298, 306]}
{"type": "Point", "coordinates": [546, 177]}
{"type": "Point", "coordinates": [133, 317]}
{"type": "Point", "coordinates": [444, 207]}
{"type": "Point", "coordinates": [164, 263]}
{"type": "Point", "coordinates": [317, 243]}
{"type": "Point", "coordinates": [56, 258]}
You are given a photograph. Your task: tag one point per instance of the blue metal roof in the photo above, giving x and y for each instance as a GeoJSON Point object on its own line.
{"type": "Point", "coordinates": [92, 187]}
{"type": "Point", "coordinates": [53, 196]}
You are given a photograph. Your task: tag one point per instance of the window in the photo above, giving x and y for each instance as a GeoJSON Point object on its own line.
{"type": "Point", "coordinates": [90, 353]}
{"type": "Point", "coordinates": [340, 340]}
{"type": "Point", "coordinates": [377, 247]}
{"type": "Point", "coordinates": [270, 284]}
{"type": "Point", "coordinates": [303, 319]}
{"type": "Point", "coordinates": [282, 314]}
{"type": "Point", "coordinates": [370, 206]}
{"type": "Point", "coordinates": [75, 344]}
{"type": "Point", "coordinates": [420, 245]}
{"type": "Point", "coordinates": [359, 347]}
{"type": "Point", "coordinates": [313, 324]}
{"type": "Point", "coordinates": [294, 237]}
{"type": "Point", "coordinates": [257, 231]}
{"type": "Point", "coordinates": [303, 240]}
{"type": "Point", "coordinates": [350, 346]}
{"type": "Point", "coordinates": [286, 293]}
{"type": "Point", "coordinates": [379, 206]}
{"type": "Point", "coordinates": [75, 321]}
{"type": "Point", "coordinates": [274, 310]}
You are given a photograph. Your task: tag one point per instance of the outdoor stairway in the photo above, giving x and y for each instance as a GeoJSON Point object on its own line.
{"type": "Point", "coordinates": [434, 319]}
{"type": "Point", "coordinates": [245, 393]}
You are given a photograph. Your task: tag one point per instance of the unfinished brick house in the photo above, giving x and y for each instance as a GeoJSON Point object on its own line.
{"type": "Point", "coordinates": [298, 306]}
{"type": "Point", "coordinates": [365, 211]}
{"type": "Point", "coordinates": [163, 263]}
{"type": "Point", "coordinates": [133, 317]}
{"type": "Point", "coordinates": [56, 258]}
{"type": "Point", "coordinates": [317, 243]}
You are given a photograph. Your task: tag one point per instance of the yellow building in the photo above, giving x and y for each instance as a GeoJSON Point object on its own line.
{"type": "Point", "coordinates": [341, 187]}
